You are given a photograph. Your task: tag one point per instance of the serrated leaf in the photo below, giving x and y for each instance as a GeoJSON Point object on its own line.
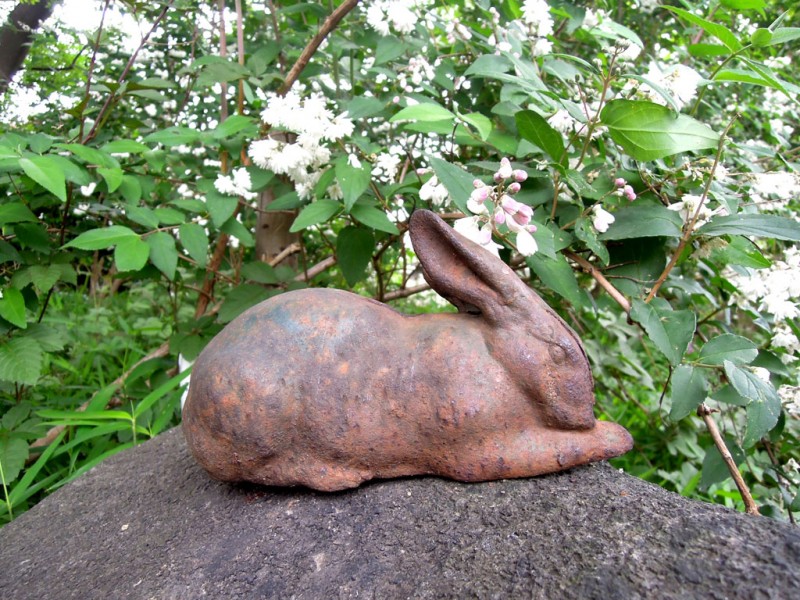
{"type": "Point", "coordinates": [764, 407]}
{"type": "Point", "coordinates": [13, 454]}
{"type": "Point", "coordinates": [169, 216]}
{"type": "Point", "coordinates": [315, 213]}
{"type": "Point", "coordinates": [20, 361]}
{"type": "Point", "coordinates": [51, 337]}
{"type": "Point", "coordinates": [558, 276]}
{"type": "Point", "coordinates": [354, 248]}
{"type": "Point", "coordinates": [90, 155]}
{"type": "Point", "coordinates": [688, 391]}
{"type": "Point", "coordinates": [640, 221]}
{"type": "Point", "coordinates": [163, 253]}
{"type": "Point", "coordinates": [47, 173]}
{"type": "Point", "coordinates": [361, 107]}
{"type": "Point", "coordinates": [260, 273]}
{"type": "Point", "coordinates": [736, 349]}
{"type": "Point", "coordinates": [481, 123]}
{"type": "Point", "coordinates": [235, 228]}
{"type": "Point", "coordinates": [740, 251]}
{"type": "Point", "coordinates": [728, 395]}
{"type": "Point", "coordinates": [112, 177]}
{"type": "Point", "coordinates": [15, 416]}
{"type": "Point", "coordinates": [374, 217]}
{"type": "Point", "coordinates": [715, 469]}
{"type": "Point", "coordinates": [670, 330]}
{"type": "Point", "coordinates": [173, 136]}
{"type": "Point", "coordinates": [535, 128]}
{"type": "Point", "coordinates": [15, 212]}
{"type": "Point", "coordinates": [220, 207]}
{"type": "Point", "coordinates": [43, 277]}
{"type": "Point", "coordinates": [131, 189]}
{"type": "Point", "coordinates": [425, 112]}
{"type": "Point", "coordinates": [131, 254]}
{"type": "Point", "coordinates": [125, 147]}
{"type": "Point", "coordinates": [722, 33]}
{"type": "Point", "coordinates": [195, 239]}
{"type": "Point", "coordinates": [105, 237]}
{"type": "Point", "coordinates": [457, 181]}
{"type": "Point", "coordinates": [648, 131]}
{"type": "Point", "coordinates": [354, 181]}
{"type": "Point", "coordinates": [12, 307]}
{"type": "Point", "coordinates": [142, 216]}
{"type": "Point", "coordinates": [586, 233]}
{"type": "Point", "coordinates": [758, 225]}
{"type": "Point", "coordinates": [233, 125]}
{"type": "Point", "coordinates": [240, 299]}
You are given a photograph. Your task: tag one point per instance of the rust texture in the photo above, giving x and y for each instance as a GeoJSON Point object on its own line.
{"type": "Point", "coordinates": [327, 389]}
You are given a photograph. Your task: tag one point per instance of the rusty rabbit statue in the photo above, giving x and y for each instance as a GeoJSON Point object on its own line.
{"type": "Point", "coordinates": [327, 389]}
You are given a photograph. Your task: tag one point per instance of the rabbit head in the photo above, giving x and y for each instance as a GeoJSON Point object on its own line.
{"type": "Point", "coordinates": [541, 353]}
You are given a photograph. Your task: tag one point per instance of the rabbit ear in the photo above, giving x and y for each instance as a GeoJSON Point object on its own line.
{"type": "Point", "coordinates": [470, 277]}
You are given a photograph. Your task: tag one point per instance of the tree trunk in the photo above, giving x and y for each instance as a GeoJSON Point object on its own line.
{"type": "Point", "coordinates": [16, 36]}
{"type": "Point", "coordinates": [272, 231]}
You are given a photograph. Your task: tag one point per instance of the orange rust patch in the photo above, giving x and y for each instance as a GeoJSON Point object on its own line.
{"type": "Point", "coordinates": [344, 368]}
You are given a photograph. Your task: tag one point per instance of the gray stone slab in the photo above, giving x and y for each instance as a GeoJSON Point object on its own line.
{"type": "Point", "coordinates": [149, 523]}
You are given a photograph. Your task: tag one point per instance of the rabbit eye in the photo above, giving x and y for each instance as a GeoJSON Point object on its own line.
{"type": "Point", "coordinates": [557, 353]}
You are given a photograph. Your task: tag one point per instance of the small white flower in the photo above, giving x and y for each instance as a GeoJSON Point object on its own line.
{"type": "Point", "coordinates": [353, 161]}
{"type": "Point", "coordinates": [526, 245]}
{"type": "Point", "coordinates": [88, 190]}
{"type": "Point", "coordinates": [602, 219]}
{"type": "Point", "coordinates": [470, 228]}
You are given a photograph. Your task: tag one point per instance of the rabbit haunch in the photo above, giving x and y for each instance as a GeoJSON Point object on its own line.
{"type": "Point", "coordinates": [328, 389]}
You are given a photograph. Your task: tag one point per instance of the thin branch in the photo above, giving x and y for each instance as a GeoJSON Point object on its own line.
{"type": "Point", "coordinates": [750, 505]}
{"type": "Point", "coordinates": [107, 105]}
{"type": "Point", "coordinates": [285, 253]}
{"type": "Point", "coordinates": [689, 227]}
{"type": "Point", "coordinates": [618, 297]}
{"type": "Point", "coordinates": [316, 269]}
{"type": "Point", "coordinates": [329, 25]}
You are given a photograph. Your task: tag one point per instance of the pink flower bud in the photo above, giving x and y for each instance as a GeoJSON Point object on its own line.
{"type": "Point", "coordinates": [520, 175]}
{"type": "Point", "coordinates": [499, 216]}
{"type": "Point", "coordinates": [531, 228]}
{"type": "Point", "coordinates": [480, 194]}
{"type": "Point", "coordinates": [629, 193]}
{"type": "Point", "coordinates": [477, 183]}
{"type": "Point", "coordinates": [505, 170]}
{"type": "Point", "coordinates": [513, 188]}
{"type": "Point", "coordinates": [498, 178]}
{"type": "Point", "coordinates": [619, 182]}
{"type": "Point", "coordinates": [522, 218]}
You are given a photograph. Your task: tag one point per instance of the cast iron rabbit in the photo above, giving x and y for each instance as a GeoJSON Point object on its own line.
{"type": "Point", "coordinates": [327, 389]}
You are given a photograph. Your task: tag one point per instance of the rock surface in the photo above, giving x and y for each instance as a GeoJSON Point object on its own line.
{"type": "Point", "coordinates": [149, 523]}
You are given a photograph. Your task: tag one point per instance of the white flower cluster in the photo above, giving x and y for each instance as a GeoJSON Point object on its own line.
{"type": "Point", "coordinates": [313, 123]}
{"type": "Point", "coordinates": [434, 192]}
{"type": "Point", "coordinates": [536, 15]}
{"type": "Point", "coordinates": [384, 169]}
{"type": "Point", "coordinates": [678, 80]}
{"type": "Point", "coordinates": [776, 290]}
{"type": "Point", "coordinates": [398, 15]}
{"type": "Point", "coordinates": [771, 191]}
{"type": "Point", "coordinates": [790, 397]}
{"type": "Point", "coordinates": [418, 71]}
{"type": "Point", "coordinates": [238, 183]}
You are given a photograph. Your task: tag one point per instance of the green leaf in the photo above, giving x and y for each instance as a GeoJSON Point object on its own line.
{"type": "Point", "coordinates": [481, 123]}
{"type": "Point", "coordinates": [113, 177]}
{"type": "Point", "coordinates": [44, 277]}
{"type": "Point", "coordinates": [744, 4]}
{"type": "Point", "coordinates": [740, 251]}
{"type": "Point", "coordinates": [163, 253]}
{"type": "Point", "coordinates": [125, 147]}
{"type": "Point", "coordinates": [142, 216]}
{"type": "Point", "coordinates": [131, 189]}
{"type": "Point", "coordinates": [233, 125]}
{"type": "Point", "coordinates": [734, 348]}
{"type": "Point", "coordinates": [457, 181]}
{"type": "Point", "coordinates": [688, 391]}
{"type": "Point", "coordinates": [425, 112]}
{"type": "Point", "coordinates": [388, 48]}
{"type": "Point", "coordinates": [105, 237]}
{"type": "Point", "coordinates": [354, 181]}
{"type": "Point", "coordinates": [722, 33]}
{"type": "Point", "coordinates": [489, 65]}
{"type": "Point", "coordinates": [260, 273]}
{"type": "Point", "coordinates": [728, 395]}
{"type": "Point", "coordinates": [242, 298]}
{"type": "Point", "coordinates": [15, 212]}
{"type": "Point", "coordinates": [289, 201]}
{"type": "Point", "coordinates": [47, 173]}
{"type": "Point", "coordinates": [20, 361]}
{"type": "Point", "coordinates": [92, 156]}
{"type": "Point", "coordinates": [13, 454]}
{"type": "Point", "coordinates": [12, 307]}
{"type": "Point", "coordinates": [640, 221]}
{"type": "Point", "coordinates": [670, 330]}
{"type": "Point", "coordinates": [761, 37]}
{"type": "Point", "coordinates": [195, 239]}
{"type": "Point", "coordinates": [558, 276]}
{"type": "Point", "coordinates": [784, 34]}
{"type": "Point", "coordinates": [648, 131]}
{"type": "Point", "coordinates": [374, 217]}
{"type": "Point", "coordinates": [131, 254]}
{"type": "Point", "coordinates": [704, 50]}
{"type": "Point", "coordinates": [535, 128]}
{"type": "Point", "coordinates": [361, 107]}
{"type": "Point", "coordinates": [586, 233]}
{"type": "Point", "coordinates": [15, 416]}
{"type": "Point", "coordinates": [169, 216]}
{"type": "Point", "coordinates": [315, 213]}
{"type": "Point", "coordinates": [758, 225]}
{"type": "Point", "coordinates": [764, 408]}
{"type": "Point", "coordinates": [50, 337]}
{"type": "Point", "coordinates": [354, 247]}
{"type": "Point", "coordinates": [173, 136]}
{"type": "Point", "coordinates": [220, 207]}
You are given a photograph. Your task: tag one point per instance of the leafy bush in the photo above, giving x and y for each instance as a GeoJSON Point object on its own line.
{"type": "Point", "coordinates": [634, 161]}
